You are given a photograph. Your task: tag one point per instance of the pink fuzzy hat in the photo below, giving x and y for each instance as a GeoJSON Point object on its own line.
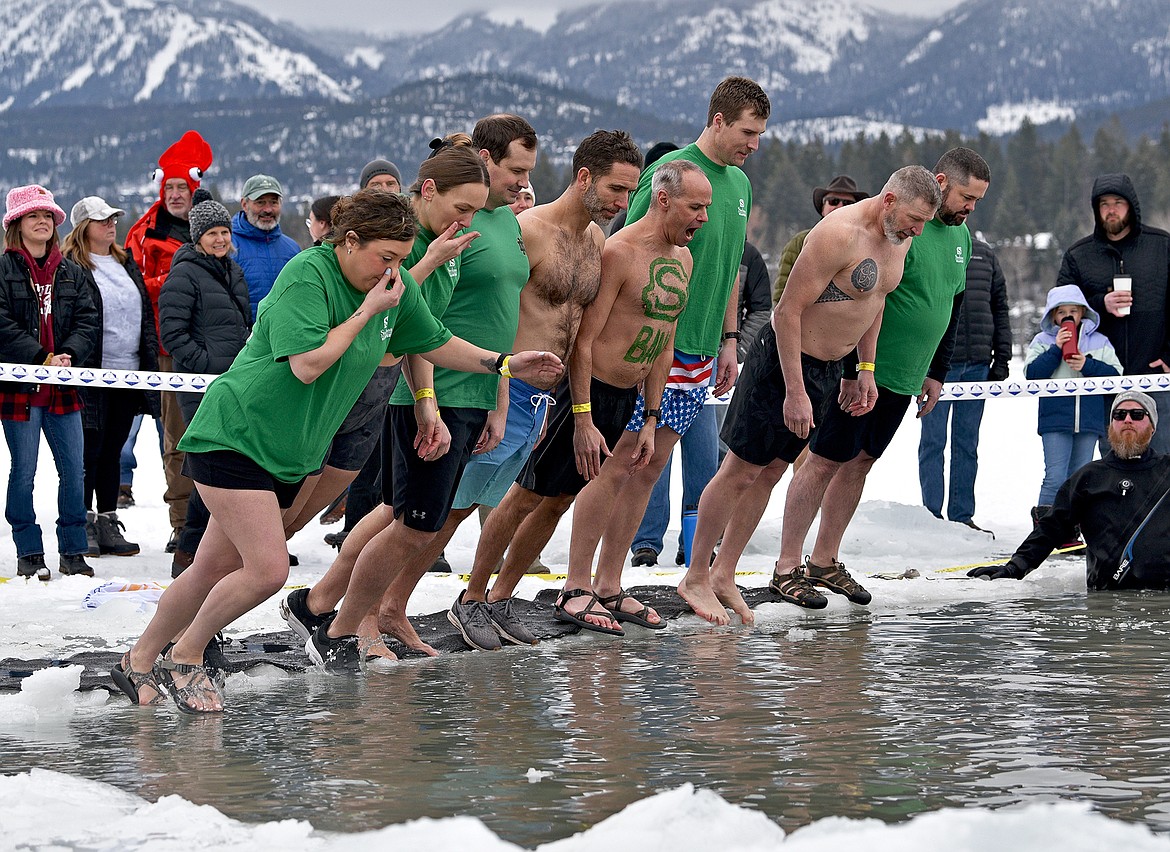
{"type": "Point", "coordinates": [26, 199]}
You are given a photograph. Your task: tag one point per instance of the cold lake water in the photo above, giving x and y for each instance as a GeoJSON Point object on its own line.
{"type": "Point", "coordinates": [848, 712]}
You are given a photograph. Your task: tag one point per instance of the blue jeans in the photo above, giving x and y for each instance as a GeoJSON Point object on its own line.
{"type": "Point", "coordinates": [700, 460]}
{"type": "Point", "coordinates": [67, 443]}
{"type": "Point", "coordinates": [1064, 454]}
{"type": "Point", "coordinates": [127, 462]}
{"type": "Point", "coordinates": [964, 417]}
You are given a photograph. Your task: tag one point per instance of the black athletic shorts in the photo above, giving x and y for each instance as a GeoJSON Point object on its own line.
{"type": "Point", "coordinates": [359, 432]}
{"type": "Point", "coordinates": [421, 492]}
{"type": "Point", "coordinates": [842, 436]}
{"type": "Point", "coordinates": [754, 428]}
{"type": "Point", "coordinates": [235, 471]}
{"type": "Point", "coordinates": [551, 470]}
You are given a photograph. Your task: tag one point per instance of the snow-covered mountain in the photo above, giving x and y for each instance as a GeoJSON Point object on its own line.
{"type": "Point", "coordinates": [119, 52]}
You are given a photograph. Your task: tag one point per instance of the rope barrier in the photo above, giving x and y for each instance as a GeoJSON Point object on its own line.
{"type": "Point", "coordinates": [197, 383]}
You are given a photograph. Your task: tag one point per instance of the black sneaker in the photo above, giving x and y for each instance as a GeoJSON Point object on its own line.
{"type": "Point", "coordinates": [508, 625]}
{"type": "Point", "coordinates": [643, 557]}
{"type": "Point", "coordinates": [336, 539]}
{"type": "Point", "coordinates": [441, 566]}
{"type": "Point", "coordinates": [173, 541]}
{"type": "Point", "coordinates": [74, 564]}
{"type": "Point", "coordinates": [474, 624]}
{"type": "Point", "coordinates": [33, 565]}
{"type": "Point", "coordinates": [340, 655]}
{"type": "Point", "coordinates": [295, 611]}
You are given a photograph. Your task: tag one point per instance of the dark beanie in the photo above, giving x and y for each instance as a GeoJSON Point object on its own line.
{"type": "Point", "coordinates": [379, 167]}
{"type": "Point", "coordinates": [207, 215]}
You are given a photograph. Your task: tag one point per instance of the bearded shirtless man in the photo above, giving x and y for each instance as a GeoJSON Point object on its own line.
{"type": "Point", "coordinates": [794, 369]}
{"type": "Point", "coordinates": [625, 338]}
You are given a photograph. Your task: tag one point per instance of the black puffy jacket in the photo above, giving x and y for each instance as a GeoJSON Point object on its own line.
{"type": "Point", "coordinates": [1143, 254]}
{"type": "Point", "coordinates": [984, 333]}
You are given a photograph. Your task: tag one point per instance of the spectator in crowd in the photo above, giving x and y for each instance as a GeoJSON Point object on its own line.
{"type": "Point", "coordinates": [153, 241]}
{"type": "Point", "coordinates": [261, 248]}
{"type": "Point", "coordinates": [755, 300]}
{"type": "Point", "coordinates": [1068, 346]}
{"type": "Point", "coordinates": [128, 341]}
{"type": "Point", "coordinates": [205, 320]}
{"type": "Point", "coordinates": [1123, 268]}
{"type": "Point", "coordinates": [320, 221]}
{"type": "Point", "coordinates": [841, 191]}
{"type": "Point", "coordinates": [52, 323]}
{"type": "Point", "coordinates": [525, 199]}
{"type": "Point", "coordinates": [1117, 502]}
{"type": "Point", "coordinates": [380, 174]}
{"type": "Point", "coordinates": [983, 348]}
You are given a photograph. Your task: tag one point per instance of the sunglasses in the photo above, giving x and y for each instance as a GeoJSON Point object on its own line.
{"type": "Point", "coordinates": [838, 202]}
{"type": "Point", "coordinates": [1137, 415]}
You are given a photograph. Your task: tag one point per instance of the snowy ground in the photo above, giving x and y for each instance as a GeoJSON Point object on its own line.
{"type": "Point", "coordinates": [892, 532]}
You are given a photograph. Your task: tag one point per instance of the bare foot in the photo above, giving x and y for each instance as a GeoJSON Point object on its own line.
{"type": "Point", "coordinates": [702, 599]}
{"type": "Point", "coordinates": [729, 595]}
{"type": "Point", "coordinates": [399, 626]}
{"type": "Point", "coordinates": [597, 613]}
{"type": "Point", "coordinates": [370, 644]}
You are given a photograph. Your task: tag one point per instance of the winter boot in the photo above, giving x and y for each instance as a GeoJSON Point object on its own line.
{"type": "Point", "coordinates": [109, 534]}
{"type": "Point", "coordinates": [75, 564]}
{"type": "Point", "coordinates": [91, 535]}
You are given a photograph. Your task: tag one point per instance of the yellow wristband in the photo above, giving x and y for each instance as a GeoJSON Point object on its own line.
{"type": "Point", "coordinates": [583, 408]}
{"type": "Point", "coordinates": [865, 365]}
{"type": "Point", "coordinates": [424, 393]}
{"type": "Point", "coordinates": [504, 371]}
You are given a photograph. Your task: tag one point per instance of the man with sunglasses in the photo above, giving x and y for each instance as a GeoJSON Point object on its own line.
{"type": "Point", "coordinates": [1120, 503]}
{"type": "Point", "coordinates": [841, 192]}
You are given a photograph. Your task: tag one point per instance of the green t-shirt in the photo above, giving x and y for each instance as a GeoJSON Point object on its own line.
{"type": "Point", "coordinates": [717, 249]}
{"type": "Point", "coordinates": [436, 290]}
{"type": "Point", "coordinates": [260, 409]}
{"type": "Point", "coordinates": [918, 311]}
{"type": "Point", "coordinates": [485, 307]}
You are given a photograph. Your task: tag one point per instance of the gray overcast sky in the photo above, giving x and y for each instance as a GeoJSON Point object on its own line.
{"type": "Point", "coordinates": [391, 16]}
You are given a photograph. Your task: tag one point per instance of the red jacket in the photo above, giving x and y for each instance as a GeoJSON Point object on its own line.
{"type": "Point", "coordinates": [152, 251]}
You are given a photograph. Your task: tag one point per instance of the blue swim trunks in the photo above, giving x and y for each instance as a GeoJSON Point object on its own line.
{"type": "Point", "coordinates": [487, 477]}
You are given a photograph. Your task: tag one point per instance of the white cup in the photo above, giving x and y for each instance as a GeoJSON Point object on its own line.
{"type": "Point", "coordinates": [1122, 284]}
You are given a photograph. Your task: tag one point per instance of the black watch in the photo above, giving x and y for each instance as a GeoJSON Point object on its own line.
{"type": "Point", "coordinates": [500, 362]}
{"type": "Point", "coordinates": [656, 413]}
{"type": "Point", "coordinates": [731, 335]}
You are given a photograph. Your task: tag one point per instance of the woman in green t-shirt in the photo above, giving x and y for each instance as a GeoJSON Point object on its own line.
{"type": "Point", "coordinates": [334, 314]}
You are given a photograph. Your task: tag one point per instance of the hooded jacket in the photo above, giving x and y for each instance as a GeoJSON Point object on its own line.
{"type": "Point", "coordinates": [1143, 254]}
{"type": "Point", "coordinates": [261, 254]}
{"type": "Point", "coordinates": [1045, 361]}
{"type": "Point", "coordinates": [203, 315]}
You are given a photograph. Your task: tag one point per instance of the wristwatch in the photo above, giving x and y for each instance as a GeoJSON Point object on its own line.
{"type": "Point", "coordinates": [731, 335]}
{"type": "Point", "coordinates": [656, 413]}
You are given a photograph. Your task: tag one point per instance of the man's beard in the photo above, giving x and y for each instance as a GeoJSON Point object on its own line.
{"type": "Point", "coordinates": [1115, 226]}
{"type": "Point", "coordinates": [257, 222]}
{"type": "Point", "coordinates": [591, 201]}
{"type": "Point", "coordinates": [889, 227]}
{"type": "Point", "coordinates": [1129, 445]}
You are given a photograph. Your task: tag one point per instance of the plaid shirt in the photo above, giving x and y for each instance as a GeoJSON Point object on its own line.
{"type": "Point", "coordinates": [14, 405]}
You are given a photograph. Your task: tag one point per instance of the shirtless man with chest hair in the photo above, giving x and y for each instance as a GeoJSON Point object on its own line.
{"type": "Point", "coordinates": [831, 306]}
{"type": "Point", "coordinates": [625, 337]}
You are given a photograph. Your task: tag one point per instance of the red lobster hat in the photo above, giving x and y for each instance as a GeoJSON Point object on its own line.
{"type": "Point", "coordinates": [189, 159]}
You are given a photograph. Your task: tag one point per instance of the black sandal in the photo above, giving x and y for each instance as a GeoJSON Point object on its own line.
{"type": "Point", "coordinates": [131, 682]}
{"type": "Point", "coordinates": [578, 618]}
{"type": "Point", "coordinates": [201, 684]}
{"type": "Point", "coordinates": [614, 604]}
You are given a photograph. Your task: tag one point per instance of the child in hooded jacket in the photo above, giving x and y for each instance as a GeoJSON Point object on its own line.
{"type": "Point", "coordinates": [1069, 427]}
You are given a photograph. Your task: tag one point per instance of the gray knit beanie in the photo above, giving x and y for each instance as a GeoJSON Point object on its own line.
{"type": "Point", "coordinates": [1141, 399]}
{"type": "Point", "coordinates": [379, 167]}
{"type": "Point", "coordinates": [207, 215]}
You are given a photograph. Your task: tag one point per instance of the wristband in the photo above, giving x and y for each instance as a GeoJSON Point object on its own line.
{"type": "Point", "coordinates": [424, 393]}
{"type": "Point", "coordinates": [502, 364]}
{"type": "Point", "coordinates": [868, 366]}
{"type": "Point", "coordinates": [730, 335]}
{"type": "Point", "coordinates": [582, 408]}
{"type": "Point", "coordinates": [656, 413]}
